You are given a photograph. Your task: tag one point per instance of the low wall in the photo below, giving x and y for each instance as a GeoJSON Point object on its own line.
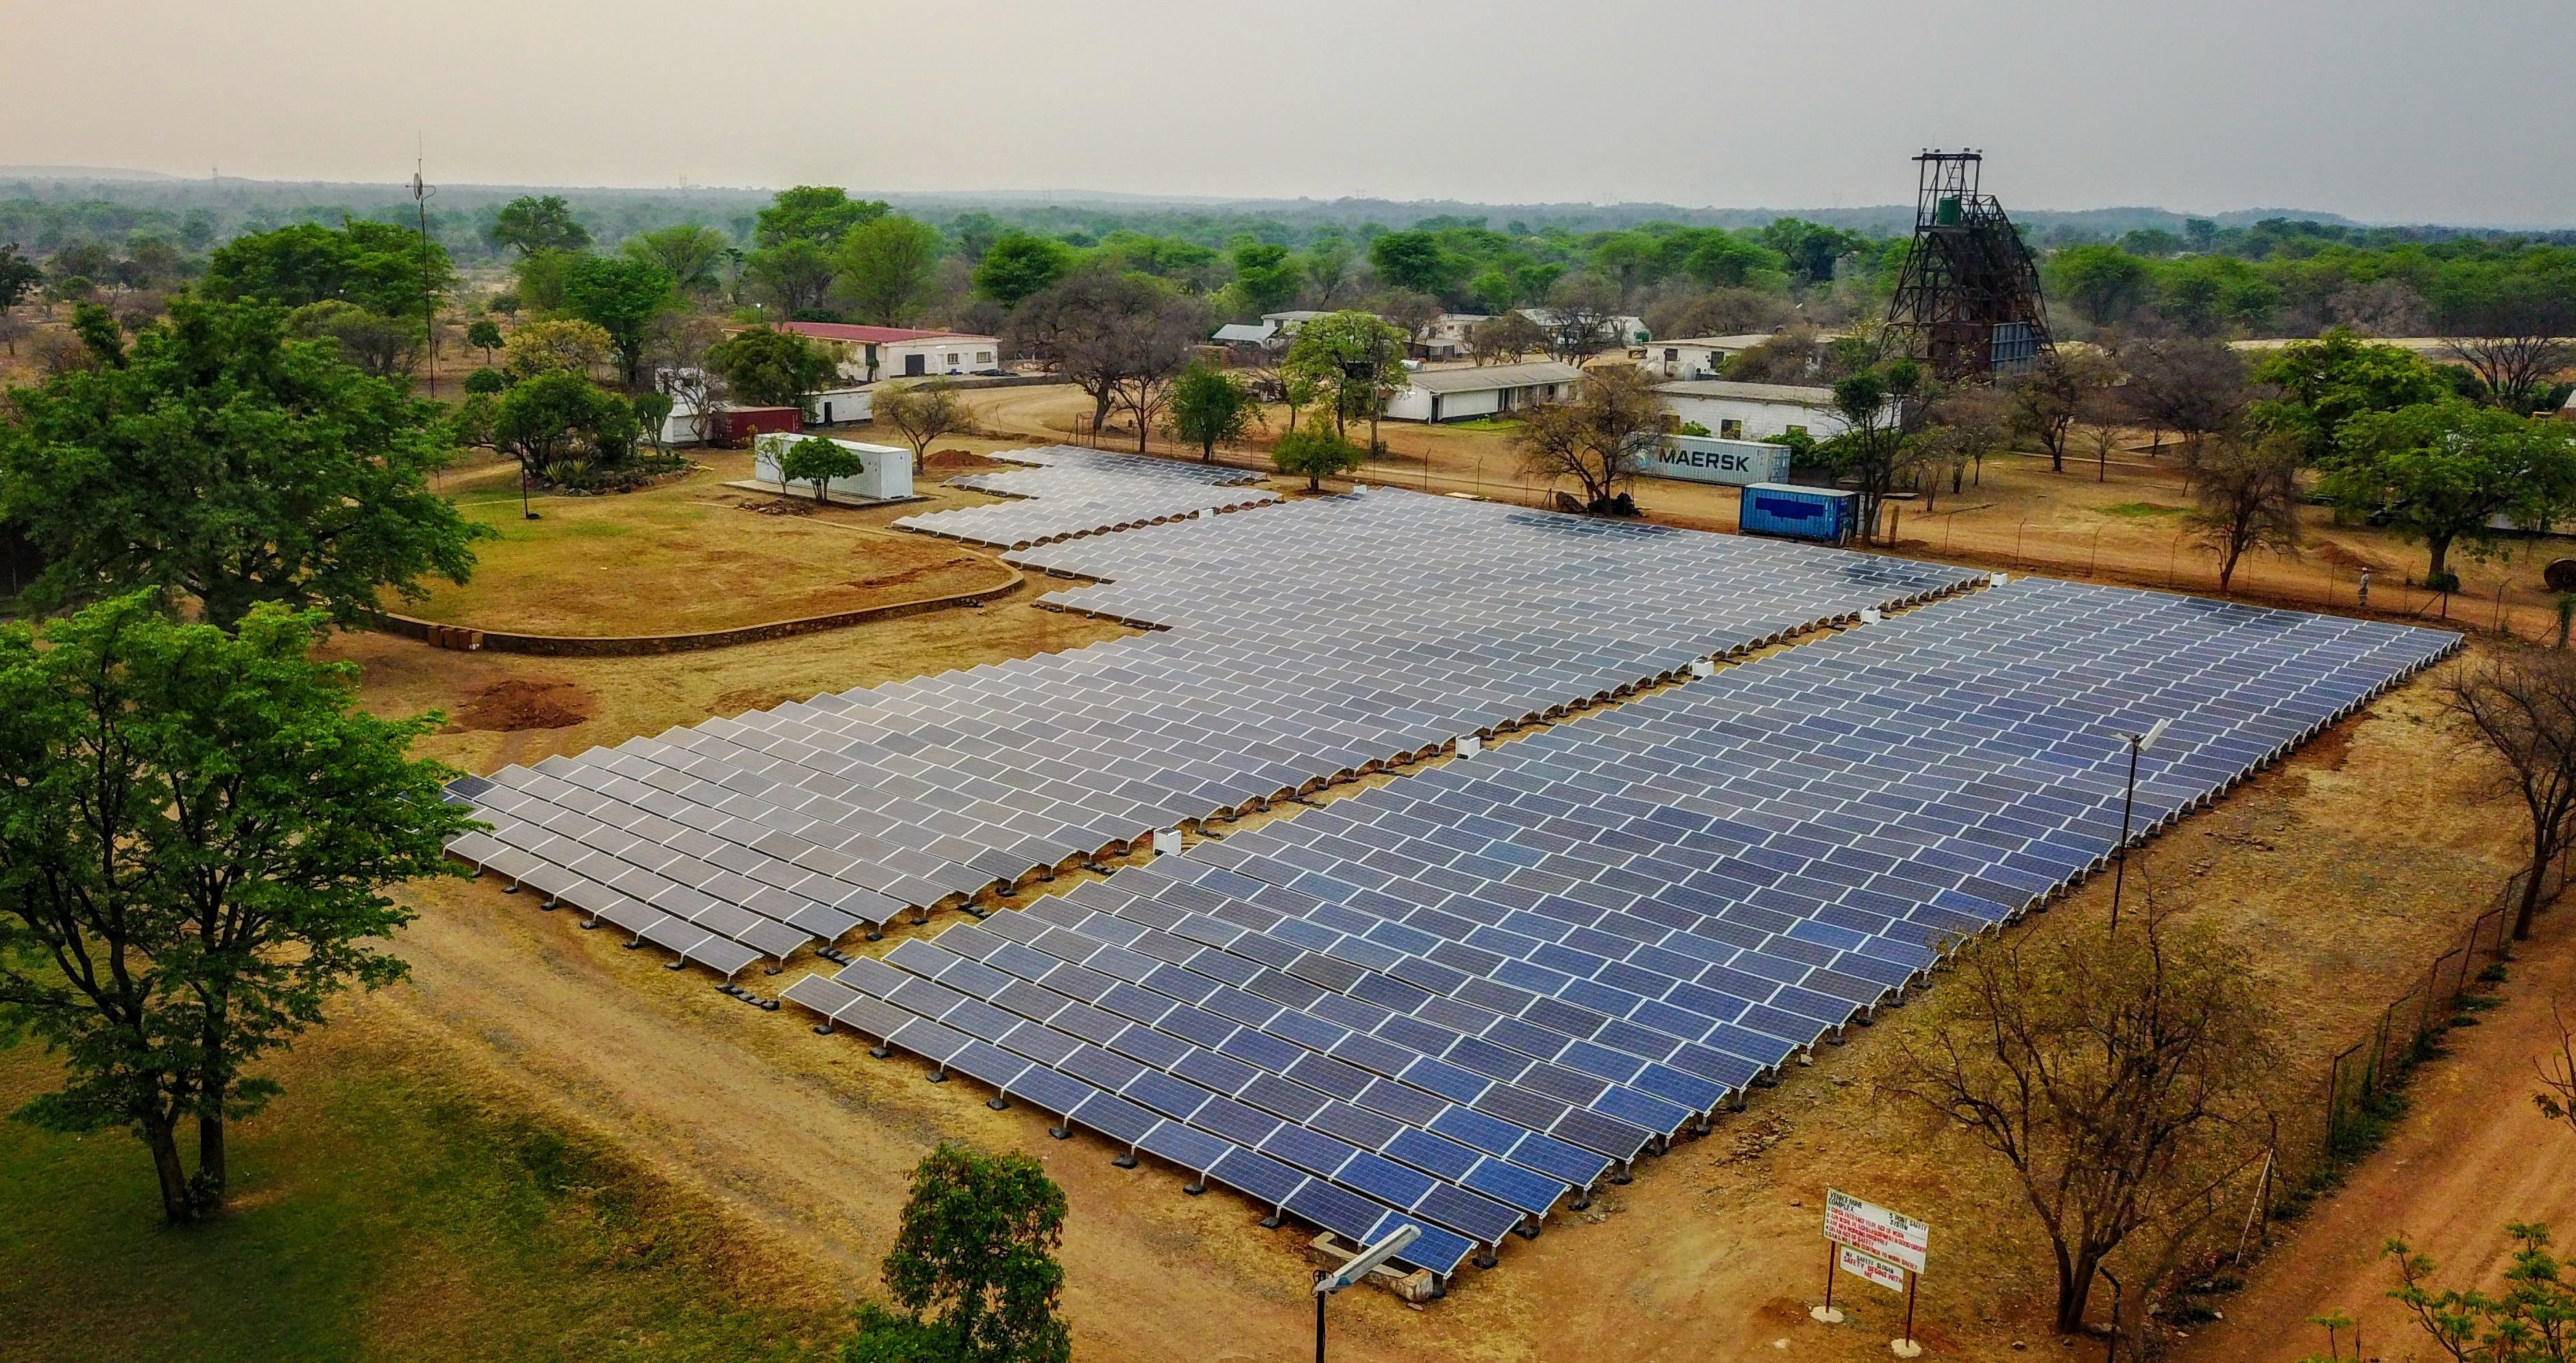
{"type": "Point", "coordinates": [469, 640]}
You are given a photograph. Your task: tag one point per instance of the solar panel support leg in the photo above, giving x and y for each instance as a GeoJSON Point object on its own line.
{"type": "Point", "coordinates": [823, 1028]}
{"type": "Point", "coordinates": [880, 1051]}
{"type": "Point", "coordinates": [548, 906]}
{"type": "Point", "coordinates": [1484, 1256]}
{"type": "Point", "coordinates": [1620, 1174]}
{"type": "Point", "coordinates": [1127, 1160]}
{"type": "Point", "coordinates": [938, 1075]}
{"type": "Point", "coordinates": [1195, 1186]}
{"type": "Point", "coordinates": [1062, 1131]}
{"type": "Point", "coordinates": [1274, 1220]}
{"type": "Point", "coordinates": [874, 935]}
{"type": "Point", "coordinates": [920, 917]}
{"type": "Point", "coordinates": [1528, 1229]}
{"type": "Point", "coordinates": [1582, 1197]}
{"type": "Point", "coordinates": [999, 1102]}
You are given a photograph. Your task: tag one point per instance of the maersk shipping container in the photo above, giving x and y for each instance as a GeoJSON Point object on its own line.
{"type": "Point", "coordinates": [1821, 514]}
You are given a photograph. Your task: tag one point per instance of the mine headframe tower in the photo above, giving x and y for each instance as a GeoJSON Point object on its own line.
{"type": "Point", "coordinates": [1968, 301]}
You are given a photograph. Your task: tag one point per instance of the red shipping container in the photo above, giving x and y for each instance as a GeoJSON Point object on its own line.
{"type": "Point", "coordinates": [737, 425]}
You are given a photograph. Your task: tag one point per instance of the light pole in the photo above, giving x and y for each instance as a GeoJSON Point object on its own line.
{"type": "Point", "coordinates": [1326, 1284]}
{"type": "Point", "coordinates": [2138, 743]}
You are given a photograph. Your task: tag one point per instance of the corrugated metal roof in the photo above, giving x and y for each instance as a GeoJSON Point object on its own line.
{"type": "Point", "coordinates": [1749, 392]}
{"type": "Point", "coordinates": [1247, 331]}
{"type": "Point", "coordinates": [846, 331]}
{"type": "Point", "coordinates": [1740, 341]}
{"type": "Point", "coordinates": [1479, 378]}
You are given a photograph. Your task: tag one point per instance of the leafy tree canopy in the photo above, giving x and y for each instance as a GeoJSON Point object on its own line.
{"type": "Point", "coordinates": [2440, 471]}
{"type": "Point", "coordinates": [820, 214]}
{"type": "Point", "coordinates": [885, 268]}
{"type": "Point", "coordinates": [973, 1266]}
{"type": "Point", "coordinates": [377, 266]}
{"type": "Point", "coordinates": [2328, 381]}
{"type": "Point", "coordinates": [692, 253]}
{"type": "Point", "coordinates": [196, 833]}
{"type": "Point", "coordinates": [220, 460]}
{"type": "Point", "coordinates": [1018, 265]}
{"type": "Point", "coordinates": [621, 296]}
{"type": "Point", "coordinates": [529, 224]}
{"type": "Point", "coordinates": [770, 368]}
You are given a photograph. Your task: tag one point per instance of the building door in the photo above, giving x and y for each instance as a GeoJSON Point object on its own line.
{"type": "Point", "coordinates": [915, 365]}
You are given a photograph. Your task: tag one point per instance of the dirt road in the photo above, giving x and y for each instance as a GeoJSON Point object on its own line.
{"type": "Point", "coordinates": [2471, 1154]}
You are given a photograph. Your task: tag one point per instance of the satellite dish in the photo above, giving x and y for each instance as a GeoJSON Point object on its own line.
{"type": "Point", "coordinates": [2560, 575]}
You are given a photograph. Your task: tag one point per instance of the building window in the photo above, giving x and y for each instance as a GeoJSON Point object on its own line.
{"type": "Point", "coordinates": [1728, 428]}
{"type": "Point", "coordinates": [952, 357]}
{"type": "Point", "coordinates": [983, 357]}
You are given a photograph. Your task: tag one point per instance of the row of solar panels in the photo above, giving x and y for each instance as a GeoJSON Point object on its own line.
{"type": "Point", "coordinates": [922, 793]}
{"type": "Point", "coordinates": [1432, 931]}
{"type": "Point", "coordinates": [1072, 491]}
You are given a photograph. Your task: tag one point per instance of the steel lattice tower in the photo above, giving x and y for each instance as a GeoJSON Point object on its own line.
{"type": "Point", "coordinates": [1969, 300]}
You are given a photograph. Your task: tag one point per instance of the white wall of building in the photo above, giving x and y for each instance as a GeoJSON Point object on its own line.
{"type": "Point", "coordinates": [939, 355]}
{"type": "Point", "coordinates": [841, 406]}
{"type": "Point", "coordinates": [886, 472]}
{"type": "Point", "coordinates": [1735, 418]}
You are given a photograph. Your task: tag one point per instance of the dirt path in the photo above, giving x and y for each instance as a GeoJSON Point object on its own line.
{"type": "Point", "coordinates": [2470, 1155]}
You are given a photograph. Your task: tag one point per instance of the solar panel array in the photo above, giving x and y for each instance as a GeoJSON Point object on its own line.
{"type": "Point", "coordinates": [1457, 998]}
{"type": "Point", "coordinates": [1071, 491]}
{"type": "Point", "coordinates": [753, 836]}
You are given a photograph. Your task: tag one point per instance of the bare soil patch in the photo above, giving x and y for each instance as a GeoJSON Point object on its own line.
{"type": "Point", "coordinates": [517, 703]}
{"type": "Point", "coordinates": [960, 461]}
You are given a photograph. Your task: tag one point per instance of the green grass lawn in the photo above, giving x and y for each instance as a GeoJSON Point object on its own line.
{"type": "Point", "coordinates": [380, 1212]}
{"type": "Point", "coordinates": [2141, 510]}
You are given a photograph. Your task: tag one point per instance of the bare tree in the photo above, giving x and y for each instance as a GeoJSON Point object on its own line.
{"type": "Point", "coordinates": [2514, 334]}
{"type": "Point", "coordinates": [2120, 1077]}
{"type": "Point", "coordinates": [2049, 396]}
{"type": "Point", "coordinates": [2248, 496]}
{"type": "Point", "coordinates": [1595, 438]}
{"type": "Point", "coordinates": [2557, 1097]}
{"type": "Point", "coordinates": [1581, 318]}
{"type": "Point", "coordinates": [1411, 311]}
{"type": "Point", "coordinates": [2520, 705]}
{"type": "Point", "coordinates": [2194, 388]}
{"type": "Point", "coordinates": [1120, 338]}
{"type": "Point", "coordinates": [1504, 339]}
{"type": "Point", "coordinates": [1966, 425]}
{"type": "Point", "coordinates": [921, 412]}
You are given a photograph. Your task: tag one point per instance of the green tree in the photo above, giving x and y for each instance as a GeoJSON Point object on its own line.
{"type": "Point", "coordinates": [541, 275]}
{"type": "Point", "coordinates": [766, 367]}
{"type": "Point", "coordinates": [2102, 282]}
{"type": "Point", "coordinates": [2441, 471]}
{"type": "Point", "coordinates": [796, 275]}
{"type": "Point", "coordinates": [1352, 355]}
{"type": "Point", "coordinates": [529, 224]}
{"type": "Point", "coordinates": [562, 418]}
{"type": "Point", "coordinates": [19, 276]}
{"type": "Point", "coordinates": [1210, 407]}
{"type": "Point", "coordinates": [219, 459]}
{"type": "Point", "coordinates": [1416, 260]}
{"type": "Point", "coordinates": [818, 215]}
{"type": "Point", "coordinates": [490, 383]}
{"type": "Point", "coordinates": [885, 268]}
{"type": "Point", "coordinates": [620, 296]}
{"type": "Point", "coordinates": [2330, 380]}
{"type": "Point", "coordinates": [1875, 447]}
{"type": "Point", "coordinates": [819, 461]}
{"type": "Point", "coordinates": [196, 834]}
{"type": "Point", "coordinates": [2533, 1320]}
{"type": "Point", "coordinates": [1018, 265]}
{"type": "Point", "coordinates": [1266, 274]}
{"type": "Point", "coordinates": [1811, 249]}
{"type": "Point", "coordinates": [973, 1266]}
{"type": "Point", "coordinates": [1315, 450]}
{"type": "Point", "coordinates": [385, 347]}
{"type": "Point", "coordinates": [484, 334]}
{"type": "Point", "coordinates": [692, 253]}
{"type": "Point", "coordinates": [652, 413]}
{"type": "Point", "coordinates": [378, 266]}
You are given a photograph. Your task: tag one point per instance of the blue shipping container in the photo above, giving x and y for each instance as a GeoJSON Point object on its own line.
{"type": "Point", "coordinates": [1807, 513]}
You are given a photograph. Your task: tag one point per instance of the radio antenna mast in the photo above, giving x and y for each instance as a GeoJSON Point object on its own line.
{"type": "Point", "coordinates": [421, 191]}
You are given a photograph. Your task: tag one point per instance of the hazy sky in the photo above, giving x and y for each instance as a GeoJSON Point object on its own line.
{"type": "Point", "coordinates": [2381, 109]}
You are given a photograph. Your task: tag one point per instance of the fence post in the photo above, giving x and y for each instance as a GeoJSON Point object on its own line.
{"type": "Point", "coordinates": [2334, 1103]}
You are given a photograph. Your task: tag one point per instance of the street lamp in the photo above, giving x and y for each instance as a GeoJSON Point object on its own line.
{"type": "Point", "coordinates": [2138, 743]}
{"type": "Point", "coordinates": [1326, 1284]}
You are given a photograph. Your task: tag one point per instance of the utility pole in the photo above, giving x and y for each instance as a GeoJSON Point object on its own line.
{"type": "Point", "coordinates": [420, 194]}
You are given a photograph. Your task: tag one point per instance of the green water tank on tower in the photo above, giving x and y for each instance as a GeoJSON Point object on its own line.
{"type": "Point", "coordinates": [1946, 214]}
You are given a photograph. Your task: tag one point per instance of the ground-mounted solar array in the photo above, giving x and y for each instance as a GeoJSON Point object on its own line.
{"type": "Point", "coordinates": [754, 836]}
{"type": "Point", "coordinates": [1465, 997]}
{"type": "Point", "coordinates": [1069, 491]}
{"type": "Point", "coordinates": [1511, 975]}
